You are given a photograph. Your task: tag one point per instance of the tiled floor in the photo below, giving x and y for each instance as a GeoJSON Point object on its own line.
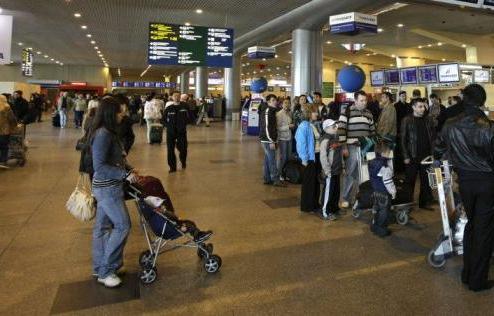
{"type": "Point", "coordinates": [275, 259]}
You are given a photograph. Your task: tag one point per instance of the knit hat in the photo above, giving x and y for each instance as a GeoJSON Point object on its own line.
{"type": "Point", "coordinates": [328, 123]}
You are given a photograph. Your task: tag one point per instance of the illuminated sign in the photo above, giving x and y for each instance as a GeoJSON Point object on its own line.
{"type": "Point", "coordinates": [27, 63]}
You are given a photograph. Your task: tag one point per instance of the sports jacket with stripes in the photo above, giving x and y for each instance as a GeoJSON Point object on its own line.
{"type": "Point", "coordinates": [268, 130]}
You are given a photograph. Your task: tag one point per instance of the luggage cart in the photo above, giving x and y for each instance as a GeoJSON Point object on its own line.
{"type": "Point", "coordinates": [450, 241]}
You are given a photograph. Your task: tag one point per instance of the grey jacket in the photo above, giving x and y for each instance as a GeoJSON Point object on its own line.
{"type": "Point", "coordinates": [283, 121]}
{"type": "Point", "coordinates": [331, 157]}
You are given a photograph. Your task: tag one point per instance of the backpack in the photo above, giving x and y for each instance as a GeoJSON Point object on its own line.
{"type": "Point", "coordinates": [293, 171]}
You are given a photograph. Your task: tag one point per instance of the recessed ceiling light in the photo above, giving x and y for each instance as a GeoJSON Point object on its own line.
{"type": "Point", "coordinates": [96, 47]}
{"type": "Point", "coordinates": [430, 45]}
{"type": "Point", "coordinates": [463, 45]}
{"type": "Point", "coordinates": [400, 25]}
{"type": "Point", "coordinates": [20, 44]}
{"type": "Point", "coordinates": [46, 56]}
{"type": "Point", "coordinates": [443, 59]}
{"type": "Point", "coordinates": [29, 48]}
{"type": "Point", "coordinates": [83, 27]}
{"type": "Point", "coordinates": [329, 42]}
{"type": "Point", "coordinates": [99, 52]}
{"type": "Point", "coordinates": [61, 64]}
{"type": "Point", "coordinates": [89, 35]}
{"type": "Point", "coordinates": [38, 52]}
{"type": "Point", "coordinates": [374, 54]}
{"type": "Point", "coordinates": [187, 23]}
{"type": "Point", "coordinates": [420, 47]}
{"type": "Point", "coordinates": [1, 10]}
{"type": "Point", "coordinates": [289, 52]}
{"type": "Point", "coordinates": [380, 30]}
{"type": "Point", "coordinates": [391, 65]}
{"type": "Point", "coordinates": [439, 44]}
{"type": "Point", "coordinates": [275, 56]}
{"type": "Point", "coordinates": [52, 59]}
{"type": "Point", "coordinates": [93, 42]}
{"type": "Point", "coordinates": [199, 11]}
{"type": "Point", "coordinates": [77, 15]}
{"type": "Point", "coordinates": [57, 62]}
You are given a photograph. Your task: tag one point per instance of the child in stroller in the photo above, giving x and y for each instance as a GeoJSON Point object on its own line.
{"type": "Point", "coordinates": [157, 216]}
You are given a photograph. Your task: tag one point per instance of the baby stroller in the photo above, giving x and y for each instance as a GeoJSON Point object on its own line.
{"type": "Point", "coordinates": [401, 207]}
{"type": "Point", "coordinates": [162, 229]}
{"type": "Point", "coordinates": [450, 241]}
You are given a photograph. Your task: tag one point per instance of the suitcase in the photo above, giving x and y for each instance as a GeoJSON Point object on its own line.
{"type": "Point", "coordinates": [292, 171]}
{"type": "Point", "coordinates": [55, 119]}
{"type": "Point", "coordinates": [156, 133]}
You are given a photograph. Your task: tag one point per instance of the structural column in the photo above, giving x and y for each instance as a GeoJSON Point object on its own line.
{"type": "Point", "coordinates": [184, 82]}
{"type": "Point", "coordinates": [232, 87]}
{"type": "Point", "coordinates": [201, 82]}
{"type": "Point", "coordinates": [306, 61]}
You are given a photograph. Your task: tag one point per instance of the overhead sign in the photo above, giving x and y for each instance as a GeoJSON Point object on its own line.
{"type": "Point", "coordinates": [258, 52]}
{"type": "Point", "coordinates": [27, 62]}
{"type": "Point", "coordinates": [467, 3]}
{"type": "Point", "coordinates": [44, 82]}
{"type": "Point", "coordinates": [408, 75]}
{"type": "Point", "coordinates": [140, 84]}
{"type": "Point", "coordinates": [5, 38]}
{"type": "Point", "coordinates": [171, 44]}
{"type": "Point", "coordinates": [353, 23]}
{"type": "Point", "coordinates": [377, 78]}
{"type": "Point", "coordinates": [481, 76]}
{"type": "Point", "coordinates": [427, 74]}
{"type": "Point", "coordinates": [448, 73]}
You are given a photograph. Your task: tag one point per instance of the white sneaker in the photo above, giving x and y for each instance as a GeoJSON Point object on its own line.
{"type": "Point", "coordinates": [111, 280]}
{"type": "Point", "coordinates": [345, 204]}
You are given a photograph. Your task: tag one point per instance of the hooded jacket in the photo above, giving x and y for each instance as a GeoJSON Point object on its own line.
{"type": "Point", "coordinates": [268, 129]}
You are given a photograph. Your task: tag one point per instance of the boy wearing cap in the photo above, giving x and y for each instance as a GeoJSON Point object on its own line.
{"type": "Point", "coordinates": [332, 165]}
{"type": "Point", "coordinates": [381, 177]}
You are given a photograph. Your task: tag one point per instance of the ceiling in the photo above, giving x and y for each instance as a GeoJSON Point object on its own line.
{"type": "Point", "coordinates": [119, 28]}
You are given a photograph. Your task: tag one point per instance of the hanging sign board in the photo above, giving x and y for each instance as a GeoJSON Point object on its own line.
{"type": "Point", "coordinates": [258, 52]}
{"type": "Point", "coordinates": [5, 38]}
{"type": "Point", "coordinates": [27, 63]}
{"type": "Point", "coordinates": [353, 23]}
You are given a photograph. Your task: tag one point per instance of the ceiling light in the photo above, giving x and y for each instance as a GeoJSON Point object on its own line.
{"type": "Point", "coordinates": [83, 27]}
{"type": "Point", "coordinates": [29, 48]}
{"type": "Point", "coordinates": [38, 52]}
{"type": "Point", "coordinates": [391, 65]}
{"type": "Point", "coordinates": [264, 59]}
{"type": "Point", "coordinates": [96, 47]}
{"type": "Point", "coordinates": [89, 35]}
{"type": "Point", "coordinates": [20, 44]}
{"type": "Point", "coordinates": [367, 55]}
{"type": "Point", "coordinates": [439, 44]}
{"type": "Point", "coordinates": [52, 59]}
{"type": "Point", "coordinates": [1, 10]}
{"type": "Point", "coordinates": [275, 56]}
{"type": "Point", "coordinates": [380, 30]}
{"type": "Point", "coordinates": [443, 59]}
{"type": "Point", "coordinates": [77, 15]}
{"type": "Point", "coordinates": [99, 52]}
{"type": "Point", "coordinates": [187, 23]}
{"type": "Point", "coordinates": [57, 62]}
{"type": "Point", "coordinates": [199, 11]}
{"type": "Point", "coordinates": [430, 45]}
{"type": "Point", "coordinates": [393, 56]}
{"type": "Point", "coordinates": [93, 42]}
{"type": "Point", "coordinates": [61, 64]}
{"type": "Point", "coordinates": [46, 56]}
{"type": "Point", "coordinates": [289, 52]}
{"type": "Point", "coordinates": [329, 42]}
{"type": "Point", "coordinates": [374, 54]}
{"type": "Point", "coordinates": [400, 25]}
{"type": "Point", "coordinates": [463, 45]}
{"type": "Point", "coordinates": [420, 47]}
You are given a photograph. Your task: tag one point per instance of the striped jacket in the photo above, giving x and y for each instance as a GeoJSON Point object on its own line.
{"type": "Point", "coordinates": [268, 129]}
{"type": "Point", "coordinates": [357, 124]}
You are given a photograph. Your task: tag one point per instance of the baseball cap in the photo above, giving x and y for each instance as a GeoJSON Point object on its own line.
{"type": "Point", "coordinates": [328, 123]}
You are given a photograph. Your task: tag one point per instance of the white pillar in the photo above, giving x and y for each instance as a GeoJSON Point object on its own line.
{"type": "Point", "coordinates": [201, 82]}
{"type": "Point", "coordinates": [232, 88]}
{"type": "Point", "coordinates": [306, 61]}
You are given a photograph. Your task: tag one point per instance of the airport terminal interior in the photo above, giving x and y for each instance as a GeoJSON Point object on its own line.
{"type": "Point", "coordinates": [218, 81]}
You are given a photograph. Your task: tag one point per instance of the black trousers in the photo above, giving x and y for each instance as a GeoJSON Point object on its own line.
{"type": "Point", "coordinates": [310, 188]}
{"type": "Point", "coordinates": [331, 195]}
{"type": "Point", "coordinates": [411, 171]}
{"type": "Point", "coordinates": [382, 207]}
{"type": "Point", "coordinates": [478, 238]}
{"type": "Point", "coordinates": [178, 141]}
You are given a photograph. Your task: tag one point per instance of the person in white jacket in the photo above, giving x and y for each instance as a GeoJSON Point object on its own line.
{"type": "Point", "coordinates": [285, 126]}
{"type": "Point", "coordinates": [153, 109]}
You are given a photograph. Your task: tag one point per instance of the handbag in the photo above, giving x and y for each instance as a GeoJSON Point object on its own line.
{"type": "Point", "coordinates": [81, 143]}
{"type": "Point", "coordinates": [81, 202]}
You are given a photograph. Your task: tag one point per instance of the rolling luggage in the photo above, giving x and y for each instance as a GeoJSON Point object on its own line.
{"type": "Point", "coordinates": [292, 171]}
{"type": "Point", "coordinates": [55, 119]}
{"type": "Point", "coordinates": [156, 133]}
{"type": "Point", "coordinates": [17, 146]}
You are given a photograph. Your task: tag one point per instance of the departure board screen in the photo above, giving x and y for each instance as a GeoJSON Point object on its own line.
{"type": "Point", "coordinates": [172, 44]}
{"type": "Point", "coordinates": [392, 77]}
{"type": "Point", "coordinates": [408, 75]}
{"type": "Point", "coordinates": [428, 74]}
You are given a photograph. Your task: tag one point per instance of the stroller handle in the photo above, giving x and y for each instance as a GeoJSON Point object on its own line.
{"type": "Point", "coordinates": [427, 160]}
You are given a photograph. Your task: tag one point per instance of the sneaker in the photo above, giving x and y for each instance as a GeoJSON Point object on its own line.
{"type": "Point", "coordinates": [345, 204]}
{"type": "Point", "coordinates": [282, 179]}
{"type": "Point", "coordinates": [203, 236]}
{"type": "Point", "coordinates": [112, 280]}
{"type": "Point", "coordinates": [4, 166]}
{"type": "Point", "coordinates": [328, 217]}
{"type": "Point", "coordinates": [184, 165]}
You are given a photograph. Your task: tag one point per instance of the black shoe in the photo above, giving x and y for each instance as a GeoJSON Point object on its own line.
{"type": "Point", "coordinates": [184, 165]}
{"type": "Point", "coordinates": [202, 236]}
{"type": "Point", "coordinates": [172, 170]}
{"type": "Point", "coordinates": [487, 286]}
{"type": "Point", "coordinates": [268, 182]}
{"type": "Point", "coordinates": [279, 184]}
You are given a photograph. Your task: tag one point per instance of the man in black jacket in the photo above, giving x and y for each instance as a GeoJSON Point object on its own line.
{"type": "Point", "coordinates": [417, 137]}
{"type": "Point", "coordinates": [20, 106]}
{"type": "Point", "coordinates": [176, 118]}
{"type": "Point", "coordinates": [468, 142]}
{"type": "Point", "coordinates": [268, 135]}
{"type": "Point", "coordinates": [454, 110]}
{"type": "Point", "coordinates": [403, 109]}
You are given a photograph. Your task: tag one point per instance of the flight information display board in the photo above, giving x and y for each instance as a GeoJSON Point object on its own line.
{"type": "Point", "coordinates": [408, 75]}
{"type": "Point", "coordinates": [27, 63]}
{"type": "Point", "coordinates": [428, 74]}
{"type": "Point", "coordinates": [377, 78]}
{"type": "Point", "coordinates": [172, 44]}
{"type": "Point", "coordinates": [392, 77]}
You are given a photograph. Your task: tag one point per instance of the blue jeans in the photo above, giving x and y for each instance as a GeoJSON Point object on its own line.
{"type": "Point", "coordinates": [285, 153]}
{"type": "Point", "coordinates": [78, 118]}
{"type": "Point", "coordinates": [110, 231]}
{"type": "Point", "coordinates": [270, 170]}
{"type": "Point", "coordinates": [4, 148]}
{"type": "Point", "coordinates": [352, 173]}
{"type": "Point", "coordinates": [63, 117]}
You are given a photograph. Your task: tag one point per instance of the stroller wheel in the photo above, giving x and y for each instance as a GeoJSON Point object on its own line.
{"type": "Point", "coordinates": [435, 261]}
{"type": "Point", "coordinates": [146, 259]}
{"type": "Point", "coordinates": [209, 249]}
{"type": "Point", "coordinates": [148, 276]}
{"type": "Point", "coordinates": [402, 218]}
{"type": "Point", "coordinates": [356, 213]}
{"type": "Point", "coordinates": [212, 264]}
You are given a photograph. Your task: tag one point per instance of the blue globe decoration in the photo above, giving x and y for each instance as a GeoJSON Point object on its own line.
{"type": "Point", "coordinates": [351, 78]}
{"type": "Point", "coordinates": [259, 85]}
